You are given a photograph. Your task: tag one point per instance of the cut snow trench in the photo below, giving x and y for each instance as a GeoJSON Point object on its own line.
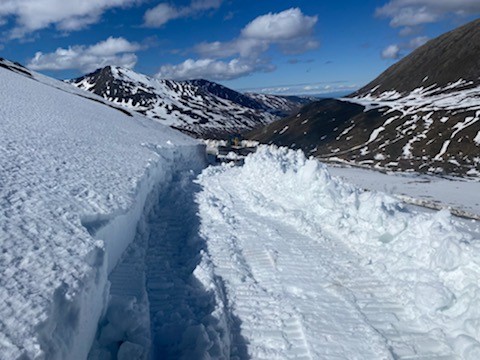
{"type": "Point", "coordinates": [165, 301]}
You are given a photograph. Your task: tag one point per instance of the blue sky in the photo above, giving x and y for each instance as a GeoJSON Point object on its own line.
{"type": "Point", "coordinates": [274, 46]}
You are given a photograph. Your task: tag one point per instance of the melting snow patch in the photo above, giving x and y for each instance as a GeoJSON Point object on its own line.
{"type": "Point", "coordinates": [283, 130]}
{"type": "Point", "coordinates": [477, 139]}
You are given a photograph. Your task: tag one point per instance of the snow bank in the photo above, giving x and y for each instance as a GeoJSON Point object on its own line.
{"type": "Point", "coordinates": [432, 259]}
{"type": "Point", "coordinates": [75, 177]}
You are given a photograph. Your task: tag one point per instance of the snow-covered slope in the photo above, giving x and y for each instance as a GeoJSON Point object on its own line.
{"type": "Point", "coordinates": [75, 176]}
{"type": "Point", "coordinates": [282, 105]}
{"type": "Point", "coordinates": [421, 114]}
{"type": "Point", "coordinates": [198, 107]}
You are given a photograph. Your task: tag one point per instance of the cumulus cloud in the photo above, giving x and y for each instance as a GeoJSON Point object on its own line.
{"type": "Point", "coordinates": [408, 13]}
{"type": "Point", "coordinates": [33, 15]}
{"type": "Point", "coordinates": [212, 69]}
{"type": "Point", "coordinates": [113, 51]}
{"type": "Point", "coordinates": [418, 41]}
{"type": "Point", "coordinates": [290, 24]}
{"type": "Point", "coordinates": [391, 52]}
{"type": "Point", "coordinates": [290, 30]}
{"type": "Point", "coordinates": [163, 12]}
{"type": "Point", "coordinates": [394, 51]}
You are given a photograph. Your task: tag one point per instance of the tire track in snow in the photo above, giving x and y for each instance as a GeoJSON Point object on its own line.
{"type": "Point", "coordinates": [281, 318]}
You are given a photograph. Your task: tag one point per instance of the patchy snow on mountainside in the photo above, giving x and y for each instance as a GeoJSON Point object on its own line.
{"type": "Point", "coordinates": [314, 268]}
{"type": "Point", "coordinates": [282, 105]}
{"type": "Point", "coordinates": [75, 178]}
{"type": "Point", "coordinates": [199, 107]}
{"type": "Point", "coordinates": [459, 95]}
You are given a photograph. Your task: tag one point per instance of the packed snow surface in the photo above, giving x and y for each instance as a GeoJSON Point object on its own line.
{"type": "Point", "coordinates": [314, 268]}
{"type": "Point", "coordinates": [75, 176]}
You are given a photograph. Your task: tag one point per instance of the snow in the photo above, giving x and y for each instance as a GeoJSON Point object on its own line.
{"type": "Point", "coordinates": [75, 177]}
{"type": "Point", "coordinates": [423, 112]}
{"type": "Point", "coordinates": [451, 193]}
{"type": "Point", "coordinates": [314, 268]}
{"type": "Point", "coordinates": [455, 96]}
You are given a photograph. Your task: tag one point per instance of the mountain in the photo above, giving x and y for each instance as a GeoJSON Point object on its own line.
{"type": "Point", "coordinates": [422, 114]}
{"type": "Point", "coordinates": [198, 107]}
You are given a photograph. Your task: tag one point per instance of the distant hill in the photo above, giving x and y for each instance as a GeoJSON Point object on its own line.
{"type": "Point", "coordinates": [198, 107]}
{"type": "Point", "coordinates": [421, 114]}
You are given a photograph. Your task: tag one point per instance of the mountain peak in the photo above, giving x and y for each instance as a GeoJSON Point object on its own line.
{"type": "Point", "coordinates": [199, 107]}
{"type": "Point", "coordinates": [439, 63]}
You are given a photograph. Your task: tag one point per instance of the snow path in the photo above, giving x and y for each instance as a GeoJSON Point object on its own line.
{"type": "Point", "coordinates": [165, 302]}
{"type": "Point", "coordinates": [180, 306]}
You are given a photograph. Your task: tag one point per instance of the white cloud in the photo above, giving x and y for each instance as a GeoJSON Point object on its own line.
{"type": "Point", "coordinates": [113, 51]}
{"type": "Point", "coordinates": [290, 24]}
{"type": "Point", "coordinates": [290, 30]}
{"type": "Point", "coordinates": [391, 52]}
{"type": "Point", "coordinates": [306, 89]}
{"type": "Point", "coordinates": [33, 15]}
{"type": "Point", "coordinates": [418, 41]}
{"type": "Point", "coordinates": [394, 51]}
{"type": "Point", "coordinates": [163, 12]}
{"type": "Point", "coordinates": [242, 47]}
{"type": "Point", "coordinates": [417, 12]}
{"type": "Point", "coordinates": [211, 69]}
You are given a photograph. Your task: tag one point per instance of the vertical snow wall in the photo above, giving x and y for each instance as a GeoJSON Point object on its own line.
{"type": "Point", "coordinates": [70, 329]}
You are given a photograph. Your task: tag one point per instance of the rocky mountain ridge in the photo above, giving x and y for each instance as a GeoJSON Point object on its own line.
{"type": "Point", "coordinates": [198, 107]}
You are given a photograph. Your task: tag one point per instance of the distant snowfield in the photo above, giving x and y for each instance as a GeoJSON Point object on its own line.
{"type": "Point", "coordinates": [459, 195]}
